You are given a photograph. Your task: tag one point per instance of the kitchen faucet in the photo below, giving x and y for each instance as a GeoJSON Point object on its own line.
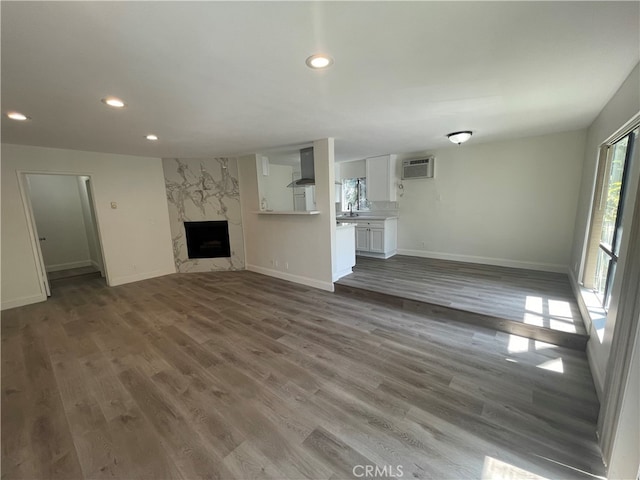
{"type": "Point", "coordinates": [350, 209]}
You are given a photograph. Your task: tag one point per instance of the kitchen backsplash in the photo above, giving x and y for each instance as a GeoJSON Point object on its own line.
{"type": "Point", "coordinates": [376, 208]}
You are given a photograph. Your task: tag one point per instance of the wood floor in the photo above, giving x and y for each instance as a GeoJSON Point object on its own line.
{"type": "Point", "coordinates": [537, 301]}
{"type": "Point", "coordinates": [237, 375]}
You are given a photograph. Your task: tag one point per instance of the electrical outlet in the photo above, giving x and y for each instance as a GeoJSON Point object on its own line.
{"type": "Point", "coordinates": [276, 263]}
{"type": "Point", "coordinates": [423, 244]}
{"type": "Point", "coordinates": [286, 266]}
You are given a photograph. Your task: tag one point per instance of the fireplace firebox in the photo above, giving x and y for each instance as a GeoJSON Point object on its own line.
{"type": "Point", "coordinates": [208, 239]}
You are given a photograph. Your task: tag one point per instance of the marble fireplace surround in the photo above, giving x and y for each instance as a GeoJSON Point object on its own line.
{"type": "Point", "coordinates": [204, 190]}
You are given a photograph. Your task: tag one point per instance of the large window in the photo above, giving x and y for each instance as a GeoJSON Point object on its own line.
{"type": "Point", "coordinates": [354, 194]}
{"type": "Point", "coordinates": [606, 234]}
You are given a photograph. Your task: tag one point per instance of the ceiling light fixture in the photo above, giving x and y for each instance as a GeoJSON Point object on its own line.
{"type": "Point", "coordinates": [460, 137]}
{"type": "Point", "coordinates": [151, 137]}
{"type": "Point", "coordinates": [114, 102]}
{"type": "Point", "coordinates": [319, 61]}
{"type": "Point", "coordinates": [17, 116]}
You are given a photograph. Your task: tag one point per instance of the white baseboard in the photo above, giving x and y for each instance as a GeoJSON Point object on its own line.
{"type": "Point", "coordinates": [500, 262]}
{"type": "Point", "coordinates": [310, 282]}
{"type": "Point", "coordinates": [19, 302]}
{"type": "Point", "coordinates": [385, 255]}
{"type": "Point", "coordinates": [68, 266]}
{"type": "Point", "coordinates": [582, 306]}
{"type": "Point", "coordinates": [115, 281]}
{"type": "Point", "coordinates": [598, 380]}
{"type": "Point", "coordinates": [95, 265]}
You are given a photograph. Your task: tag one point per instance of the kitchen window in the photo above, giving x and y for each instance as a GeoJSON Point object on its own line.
{"type": "Point", "coordinates": [354, 192]}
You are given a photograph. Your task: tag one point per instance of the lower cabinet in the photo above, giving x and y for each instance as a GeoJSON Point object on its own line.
{"type": "Point", "coordinates": [362, 238]}
{"type": "Point", "coordinates": [376, 238]}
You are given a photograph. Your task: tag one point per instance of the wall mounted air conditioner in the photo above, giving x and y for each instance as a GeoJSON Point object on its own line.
{"type": "Point", "coordinates": [418, 168]}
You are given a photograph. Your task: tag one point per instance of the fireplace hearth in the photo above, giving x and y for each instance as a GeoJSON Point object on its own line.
{"type": "Point", "coordinates": [208, 239]}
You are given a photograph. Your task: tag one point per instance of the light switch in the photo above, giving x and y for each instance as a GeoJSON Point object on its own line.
{"type": "Point", "coordinates": [114, 205]}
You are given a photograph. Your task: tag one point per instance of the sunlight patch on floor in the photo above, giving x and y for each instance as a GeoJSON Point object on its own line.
{"type": "Point", "coordinates": [554, 365]}
{"type": "Point", "coordinates": [532, 319]}
{"type": "Point", "coordinates": [518, 344]}
{"type": "Point", "coordinates": [543, 345]}
{"type": "Point", "coordinates": [533, 304]}
{"type": "Point", "coordinates": [562, 325]}
{"type": "Point", "coordinates": [560, 308]}
{"type": "Point", "coordinates": [494, 469]}
{"type": "Point", "coordinates": [533, 311]}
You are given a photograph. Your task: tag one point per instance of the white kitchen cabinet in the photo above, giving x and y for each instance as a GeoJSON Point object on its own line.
{"type": "Point", "coordinates": [377, 238]}
{"type": "Point", "coordinates": [345, 250]}
{"type": "Point", "coordinates": [382, 178]}
{"type": "Point", "coordinates": [362, 239]}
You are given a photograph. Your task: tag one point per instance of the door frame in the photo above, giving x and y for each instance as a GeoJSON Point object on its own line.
{"type": "Point", "coordinates": [23, 186]}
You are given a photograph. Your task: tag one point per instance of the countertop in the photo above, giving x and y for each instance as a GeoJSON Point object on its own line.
{"type": "Point", "coordinates": [365, 217]}
{"type": "Point", "coordinates": [341, 225]}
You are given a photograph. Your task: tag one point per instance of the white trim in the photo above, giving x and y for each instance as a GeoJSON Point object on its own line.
{"type": "Point", "coordinates": [32, 228]}
{"type": "Point", "coordinates": [580, 300]}
{"type": "Point", "coordinates": [68, 266]}
{"type": "Point", "coordinates": [623, 131]}
{"type": "Point", "coordinates": [385, 255]}
{"type": "Point", "coordinates": [310, 282]}
{"type": "Point", "coordinates": [139, 276]}
{"type": "Point", "coordinates": [596, 374]}
{"type": "Point", "coordinates": [98, 267]}
{"type": "Point", "coordinates": [21, 301]}
{"type": "Point", "coordinates": [500, 262]}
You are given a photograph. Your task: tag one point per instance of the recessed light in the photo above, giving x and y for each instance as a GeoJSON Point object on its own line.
{"type": "Point", "coordinates": [17, 116]}
{"type": "Point", "coordinates": [151, 137]}
{"type": "Point", "coordinates": [114, 102]}
{"type": "Point", "coordinates": [460, 137]}
{"type": "Point", "coordinates": [319, 61]}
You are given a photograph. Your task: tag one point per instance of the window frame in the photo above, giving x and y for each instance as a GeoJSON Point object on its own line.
{"type": "Point", "coordinates": [595, 246]}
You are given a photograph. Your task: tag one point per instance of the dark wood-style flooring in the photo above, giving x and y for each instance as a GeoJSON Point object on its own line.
{"type": "Point", "coordinates": [528, 302]}
{"type": "Point", "coordinates": [238, 375]}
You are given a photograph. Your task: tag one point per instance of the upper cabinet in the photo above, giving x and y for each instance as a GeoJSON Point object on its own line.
{"type": "Point", "coordinates": [381, 178]}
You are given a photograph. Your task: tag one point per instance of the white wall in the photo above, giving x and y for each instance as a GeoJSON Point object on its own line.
{"type": "Point", "coordinates": [274, 187]}
{"type": "Point", "coordinates": [510, 203]}
{"type": "Point", "coordinates": [354, 169]}
{"type": "Point", "coordinates": [302, 245]}
{"type": "Point", "coordinates": [57, 208]}
{"type": "Point", "coordinates": [622, 107]}
{"type": "Point", "coordinates": [626, 445]}
{"type": "Point", "coordinates": [619, 110]}
{"type": "Point", "coordinates": [136, 238]}
{"type": "Point", "coordinates": [95, 253]}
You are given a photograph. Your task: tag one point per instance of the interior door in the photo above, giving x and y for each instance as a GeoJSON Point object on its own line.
{"type": "Point", "coordinates": [44, 280]}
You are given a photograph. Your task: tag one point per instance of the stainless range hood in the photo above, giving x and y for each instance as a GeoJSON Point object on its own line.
{"type": "Point", "coordinates": [307, 169]}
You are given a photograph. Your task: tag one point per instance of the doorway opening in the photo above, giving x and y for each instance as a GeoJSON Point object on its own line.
{"type": "Point", "coordinates": [65, 228]}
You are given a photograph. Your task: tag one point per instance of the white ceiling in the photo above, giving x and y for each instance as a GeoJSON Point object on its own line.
{"type": "Point", "coordinates": [225, 78]}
